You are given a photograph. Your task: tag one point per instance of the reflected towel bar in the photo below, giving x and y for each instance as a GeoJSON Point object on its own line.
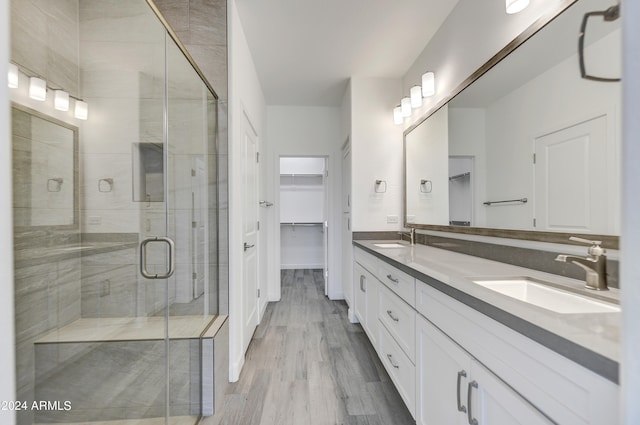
{"type": "Point", "coordinates": [523, 200]}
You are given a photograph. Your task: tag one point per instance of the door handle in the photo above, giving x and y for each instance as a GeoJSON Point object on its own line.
{"type": "Point", "coordinates": [394, 318]}
{"type": "Point", "coordinates": [247, 246]}
{"type": "Point", "coordinates": [470, 387]}
{"type": "Point", "coordinates": [362, 279]}
{"type": "Point", "coordinates": [461, 407]}
{"type": "Point", "coordinates": [143, 257]}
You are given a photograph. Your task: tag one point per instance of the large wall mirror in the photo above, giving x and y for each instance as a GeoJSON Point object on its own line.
{"type": "Point", "coordinates": [45, 157]}
{"type": "Point", "coordinates": [530, 149]}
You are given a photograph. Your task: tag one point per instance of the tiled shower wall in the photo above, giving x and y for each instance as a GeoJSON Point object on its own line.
{"type": "Point", "coordinates": [201, 26]}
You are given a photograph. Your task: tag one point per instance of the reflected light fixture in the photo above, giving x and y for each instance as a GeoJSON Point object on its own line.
{"type": "Point", "coordinates": [81, 110]}
{"type": "Point", "coordinates": [416, 96]}
{"type": "Point", "coordinates": [14, 76]}
{"type": "Point", "coordinates": [61, 100]}
{"type": "Point", "coordinates": [397, 115]}
{"type": "Point", "coordinates": [428, 84]}
{"type": "Point", "coordinates": [405, 105]}
{"type": "Point", "coordinates": [37, 89]}
{"type": "Point", "coordinates": [515, 6]}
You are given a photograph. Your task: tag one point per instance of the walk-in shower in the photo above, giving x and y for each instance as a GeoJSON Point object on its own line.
{"type": "Point", "coordinates": [116, 207]}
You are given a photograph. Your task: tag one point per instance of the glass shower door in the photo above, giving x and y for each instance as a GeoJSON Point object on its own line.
{"type": "Point", "coordinates": [191, 200]}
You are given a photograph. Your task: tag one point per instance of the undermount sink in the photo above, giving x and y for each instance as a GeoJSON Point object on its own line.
{"type": "Point", "coordinates": [540, 294]}
{"type": "Point", "coordinates": [389, 245]}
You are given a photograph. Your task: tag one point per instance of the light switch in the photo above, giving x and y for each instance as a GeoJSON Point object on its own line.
{"type": "Point", "coordinates": [393, 219]}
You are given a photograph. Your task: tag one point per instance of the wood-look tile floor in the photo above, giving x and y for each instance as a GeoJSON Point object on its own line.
{"type": "Point", "coordinates": [307, 364]}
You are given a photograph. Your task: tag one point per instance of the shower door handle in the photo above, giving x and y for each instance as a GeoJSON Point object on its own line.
{"type": "Point", "coordinates": [143, 257]}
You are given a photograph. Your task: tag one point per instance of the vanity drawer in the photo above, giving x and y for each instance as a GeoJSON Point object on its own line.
{"type": "Point", "coordinates": [366, 260]}
{"type": "Point", "coordinates": [400, 320]}
{"type": "Point", "coordinates": [399, 282]}
{"type": "Point", "coordinates": [400, 368]}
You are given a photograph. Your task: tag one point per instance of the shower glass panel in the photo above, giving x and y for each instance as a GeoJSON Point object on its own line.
{"type": "Point", "coordinates": [110, 318]}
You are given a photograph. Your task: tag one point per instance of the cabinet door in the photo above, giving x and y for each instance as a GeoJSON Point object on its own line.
{"type": "Point", "coordinates": [372, 288]}
{"type": "Point", "coordinates": [360, 292]}
{"type": "Point", "coordinates": [443, 371]}
{"type": "Point", "coordinates": [495, 403]}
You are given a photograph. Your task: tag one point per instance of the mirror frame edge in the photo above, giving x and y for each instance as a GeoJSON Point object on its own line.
{"type": "Point", "coordinates": [608, 241]}
{"type": "Point", "coordinates": [76, 171]}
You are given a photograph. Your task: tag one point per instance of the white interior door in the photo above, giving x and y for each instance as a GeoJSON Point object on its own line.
{"type": "Point", "coordinates": [347, 270]}
{"type": "Point", "coordinates": [250, 231]}
{"type": "Point", "coordinates": [325, 226]}
{"type": "Point", "coordinates": [572, 179]}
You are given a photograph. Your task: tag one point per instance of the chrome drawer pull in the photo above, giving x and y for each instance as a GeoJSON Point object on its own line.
{"type": "Point", "coordinates": [394, 318]}
{"type": "Point", "coordinates": [461, 407]}
{"type": "Point", "coordinates": [391, 278]}
{"type": "Point", "coordinates": [390, 357]}
{"type": "Point", "coordinates": [471, 386]}
{"type": "Point", "coordinates": [362, 278]}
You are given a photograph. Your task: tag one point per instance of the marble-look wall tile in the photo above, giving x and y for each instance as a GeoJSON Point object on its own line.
{"type": "Point", "coordinates": [109, 291]}
{"type": "Point", "coordinates": [44, 37]}
{"type": "Point", "coordinates": [176, 12]}
{"type": "Point", "coordinates": [119, 21]}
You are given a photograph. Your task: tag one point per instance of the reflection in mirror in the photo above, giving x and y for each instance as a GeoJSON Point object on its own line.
{"type": "Point", "coordinates": [44, 152]}
{"type": "Point", "coordinates": [530, 145]}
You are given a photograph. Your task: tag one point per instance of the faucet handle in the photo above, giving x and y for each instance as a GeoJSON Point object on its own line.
{"type": "Point", "coordinates": [595, 249]}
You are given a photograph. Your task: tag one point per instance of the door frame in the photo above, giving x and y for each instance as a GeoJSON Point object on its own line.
{"type": "Point", "coordinates": [276, 289]}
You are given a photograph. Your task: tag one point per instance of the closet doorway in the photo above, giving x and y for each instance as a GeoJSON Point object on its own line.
{"type": "Point", "coordinates": [303, 214]}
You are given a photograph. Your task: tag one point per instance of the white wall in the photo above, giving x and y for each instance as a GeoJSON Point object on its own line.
{"type": "Point", "coordinates": [7, 347]}
{"type": "Point", "coordinates": [245, 97]}
{"type": "Point", "coordinates": [428, 159]}
{"type": "Point", "coordinates": [509, 136]}
{"type": "Point", "coordinates": [469, 140]}
{"type": "Point", "coordinates": [376, 146]}
{"type": "Point", "coordinates": [307, 131]}
{"type": "Point", "coordinates": [455, 51]}
{"type": "Point", "coordinates": [630, 240]}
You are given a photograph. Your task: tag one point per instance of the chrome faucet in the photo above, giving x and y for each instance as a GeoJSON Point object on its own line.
{"type": "Point", "coordinates": [595, 264]}
{"type": "Point", "coordinates": [411, 233]}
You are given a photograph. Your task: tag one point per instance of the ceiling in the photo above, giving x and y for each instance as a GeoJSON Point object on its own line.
{"type": "Point", "coordinates": [305, 51]}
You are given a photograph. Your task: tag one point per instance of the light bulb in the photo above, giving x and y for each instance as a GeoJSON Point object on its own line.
{"type": "Point", "coordinates": [515, 6]}
{"type": "Point", "coordinates": [428, 84]}
{"type": "Point", "coordinates": [37, 89]}
{"type": "Point", "coordinates": [397, 115]}
{"type": "Point", "coordinates": [82, 110]}
{"type": "Point", "coordinates": [405, 105]}
{"type": "Point", "coordinates": [14, 76]}
{"type": "Point", "coordinates": [416, 96]}
{"type": "Point", "coordinates": [61, 100]}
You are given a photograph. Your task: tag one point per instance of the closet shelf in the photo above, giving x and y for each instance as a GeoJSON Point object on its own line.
{"type": "Point", "coordinates": [302, 175]}
{"type": "Point", "coordinates": [319, 223]}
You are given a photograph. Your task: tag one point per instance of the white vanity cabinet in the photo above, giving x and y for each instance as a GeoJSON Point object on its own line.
{"type": "Point", "coordinates": [453, 364]}
{"type": "Point", "coordinates": [453, 388]}
{"type": "Point", "coordinates": [517, 377]}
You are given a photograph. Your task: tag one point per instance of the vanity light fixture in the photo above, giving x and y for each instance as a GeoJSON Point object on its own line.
{"type": "Point", "coordinates": [37, 89]}
{"type": "Point", "coordinates": [81, 110]}
{"type": "Point", "coordinates": [416, 96]}
{"type": "Point", "coordinates": [515, 6]}
{"type": "Point", "coordinates": [428, 84]}
{"type": "Point", "coordinates": [397, 115]}
{"type": "Point", "coordinates": [14, 76]}
{"type": "Point", "coordinates": [405, 106]}
{"type": "Point", "coordinates": [61, 100]}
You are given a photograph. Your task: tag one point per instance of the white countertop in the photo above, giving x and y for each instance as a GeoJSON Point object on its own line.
{"type": "Point", "coordinates": [597, 332]}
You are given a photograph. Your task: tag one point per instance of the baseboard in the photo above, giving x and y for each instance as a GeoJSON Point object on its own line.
{"type": "Point", "coordinates": [301, 266]}
{"type": "Point", "coordinates": [235, 368]}
{"type": "Point", "coordinates": [351, 315]}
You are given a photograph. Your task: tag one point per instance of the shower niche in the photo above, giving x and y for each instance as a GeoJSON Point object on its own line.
{"type": "Point", "coordinates": [120, 333]}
